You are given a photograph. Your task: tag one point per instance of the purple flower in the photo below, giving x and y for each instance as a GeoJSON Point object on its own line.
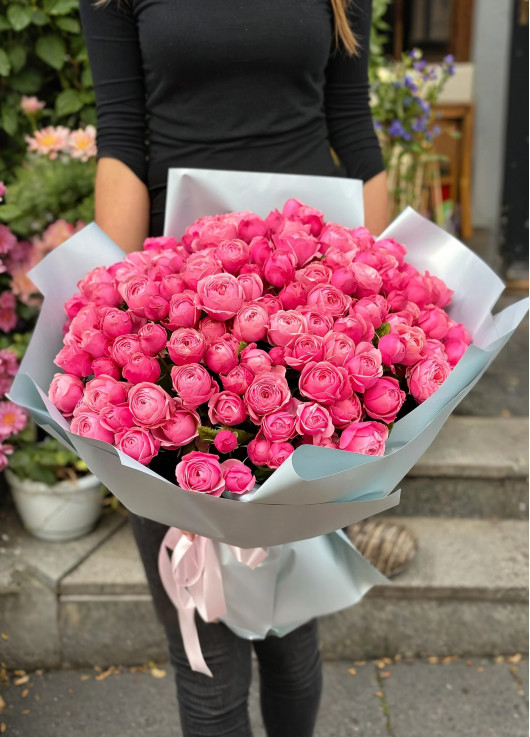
{"type": "Point", "coordinates": [409, 83]}
{"type": "Point", "coordinates": [419, 125]}
{"type": "Point", "coordinates": [395, 129]}
{"type": "Point", "coordinates": [419, 66]}
{"type": "Point", "coordinates": [426, 108]}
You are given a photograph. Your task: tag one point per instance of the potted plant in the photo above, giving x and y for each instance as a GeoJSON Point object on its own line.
{"type": "Point", "coordinates": [54, 493]}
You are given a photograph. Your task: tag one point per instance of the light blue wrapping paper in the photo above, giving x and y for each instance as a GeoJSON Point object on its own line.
{"type": "Point", "coordinates": [316, 490]}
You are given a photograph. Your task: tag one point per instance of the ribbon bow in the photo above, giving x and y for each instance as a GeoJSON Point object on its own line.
{"type": "Point", "coordinates": [193, 581]}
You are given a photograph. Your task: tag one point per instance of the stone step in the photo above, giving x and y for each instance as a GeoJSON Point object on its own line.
{"type": "Point", "coordinates": [477, 467]}
{"type": "Point", "coordinates": [465, 593]}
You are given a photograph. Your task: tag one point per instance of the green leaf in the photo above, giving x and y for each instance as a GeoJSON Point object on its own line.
{"type": "Point", "coordinates": [19, 16]}
{"type": "Point", "coordinates": [9, 120]}
{"type": "Point", "coordinates": [68, 102]}
{"type": "Point", "coordinates": [27, 82]}
{"type": "Point", "coordinates": [17, 56]}
{"type": "Point", "coordinates": [52, 50]}
{"type": "Point", "coordinates": [5, 66]}
{"type": "Point", "coordinates": [86, 78]}
{"type": "Point", "coordinates": [39, 18]}
{"type": "Point", "coordinates": [208, 434]}
{"type": "Point", "coordinates": [9, 212]}
{"type": "Point", "coordinates": [5, 25]}
{"type": "Point", "coordinates": [384, 329]}
{"type": "Point", "coordinates": [70, 25]}
{"type": "Point", "coordinates": [60, 7]}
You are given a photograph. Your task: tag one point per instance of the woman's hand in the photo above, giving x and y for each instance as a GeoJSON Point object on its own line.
{"type": "Point", "coordinates": [122, 204]}
{"type": "Point", "coordinates": [375, 196]}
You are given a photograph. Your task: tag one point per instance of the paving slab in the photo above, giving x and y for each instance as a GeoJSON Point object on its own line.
{"type": "Point", "coordinates": [127, 704]}
{"type": "Point", "coordinates": [51, 561]}
{"type": "Point", "coordinates": [476, 700]}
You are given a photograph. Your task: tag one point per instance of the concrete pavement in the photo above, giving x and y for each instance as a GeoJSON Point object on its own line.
{"type": "Point", "coordinates": [455, 698]}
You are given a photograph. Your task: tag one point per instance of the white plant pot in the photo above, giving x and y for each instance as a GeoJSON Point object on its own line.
{"type": "Point", "coordinates": [67, 510]}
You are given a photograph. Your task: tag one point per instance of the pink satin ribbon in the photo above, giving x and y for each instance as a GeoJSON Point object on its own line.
{"type": "Point", "coordinates": [192, 580]}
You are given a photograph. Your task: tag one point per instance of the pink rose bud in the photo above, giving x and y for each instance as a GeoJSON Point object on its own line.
{"type": "Point", "coordinates": [274, 221]}
{"type": "Point", "coordinates": [201, 472]}
{"type": "Point", "coordinates": [277, 356]}
{"type": "Point", "coordinates": [285, 326]}
{"type": "Point", "coordinates": [293, 295]}
{"type": "Point", "coordinates": [427, 376]}
{"type": "Point", "coordinates": [233, 255]}
{"type": "Point", "coordinates": [251, 284]}
{"type": "Point", "coordinates": [94, 342]}
{"type": "Point", "coordinates": [363, 238]}
{"type": "Point", "coordinates": [338, 348]}
{"type": "Point", "coordinates": [238, 379]}
{"type": "Point", "coordinates": [328, 300]}
{"type": "Point", "coordinates": [193, 384]}
{"type": "Point", "coordinates": [251, 323]}
{"type": "Point", "coordinates": [88, 425]}
{"type": "Point", "coordinates": [312, 419]}
{"type": "Point", "coordinates": [368, 438]}
{"type": "Point", "coordinates": [435, 347]}
{"type": "Point", "coordinates": [100, 287]}
{"type": "Point", "coordinates": [324, 383]}
{"type": "Point", "coordinates": [344, 279]}
{"type": "Point", "coordinates": [140, 368]}
{"type": "Point", "coordinates": [105, 366]}
{"type": "Point", "coordinates": [392, 247]}
{"type": "Point", "coordinates": [86, 319]}
{"type": "Point", "coordinates": [313, 274]}
{"type": "Point", "coordinates": [279, 426]}
{"type": "Point", "coordinates": [255, 359]}
{"type": "Point", "coordinates": [418, 290]}
{"type": "Point", "coordinates": [260, 250]}
{"type": "Point", "coordinates": [258, 450]}
{"type": "Point", "coordinates": [268, 393]}
{"type": "Point", "coordinates": [392, 348]}
{"type": "Point", "coordinates": [103, 390]}
{"type": "Point", "coordinates": [303, 349]}
{"type": "Point", "coordinates": [160, 242]}
{"type": "Point", "coordinates": [368, 280]}
{"type": "Point", "coordinates": [397, 300]}
{"type": "Point", "coordinates": [136, 290]}
{"type": "Point", "coordinates": [383, 400]}
{"type": "Point", "coordinates": [454, 350]}
{"type": "Point", "coordinates": [186, 345]}
{"type": "Point", "coordinates": [441, 295]}
{"type": "Point", "coordinates": [221, 295]}
{"type": "Point", "coordinates": [150, 405]}
{"type": "Point", "coordinates": [271, 303]}
{"type": "Point", "coordinates": [238, 477]}
{"type": "Point", "coordinates": [346, 411]}
{"type": "Point", "coordinates": [74, 304]}
{"type": "Point", "coordinates": [184, 310]}
{"type": "Point", "coordinates": [137, 443]}
{"type": "Point", "coordinates": [116, 417]}
{"type": "Point", "coordinates": [172, 284]}
{"type": "Point", "coordinates": [181, 428]}
{"type": "Point", "coordinates": [212, 329]}
{"type": "Point", "coordinates": [335, 236]}
{"type": "Point", "coordinates": [317, 324]}
{"type": "Point", "coordinates": [65, 392]}
{"type": "Point", "coordinates": [356, 327]}
{"type": "Point", "coordinates": [373, 309]}
{"type": "Point", "coordinates": [365, 368]}
{"type": "Point", "coordinates": [74, 360]}
{"type": "Point", "coordinates": [251, 227]}
{"type": "Point", "coordinates": [114, 322]}
{"type": "Point", "coordinates": [152, 338]}
{"type": "Point", "coordinates": [123, 347]}
{"type": "Point", "coordinates": [278, 453]}
{"type": "Point", "coordinates": [226, 408]}
{"type": "Point", "coordinates": [434, 322]}
{"type": "Point", "coordinates": [280, 268]}
{"type": "Point", "coordinates": [156, 307]}
{"type": "Point", "coordinates": [414, 340]}
{"type": "Point", "coordinates": [225, 441]}
{"type": "Point", "coordinates": [221, 355]}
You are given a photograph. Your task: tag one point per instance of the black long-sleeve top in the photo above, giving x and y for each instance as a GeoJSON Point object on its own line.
{"type": "Point", "coordinates": [229, 84]}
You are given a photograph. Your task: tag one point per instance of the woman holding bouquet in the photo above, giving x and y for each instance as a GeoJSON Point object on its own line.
{"type": "Point", "coordinates": [250, 86]}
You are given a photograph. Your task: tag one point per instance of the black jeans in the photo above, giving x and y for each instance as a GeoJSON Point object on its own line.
{"type": "Point", "coordinates": [289, 667]}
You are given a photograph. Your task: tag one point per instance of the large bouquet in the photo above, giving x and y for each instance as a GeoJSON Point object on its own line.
{"type": "Point", "coordinates": [249, 337]}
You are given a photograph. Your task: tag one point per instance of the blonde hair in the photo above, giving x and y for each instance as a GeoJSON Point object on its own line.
{"type": "Point", "coordinates": [343, 31]}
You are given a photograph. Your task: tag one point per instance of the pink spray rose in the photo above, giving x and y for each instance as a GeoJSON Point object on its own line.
{"type": "Point", "coordinates": [367, 438]}
{"type": "Point", "coordinates": [226, 408]}
{"type": "Point", "coordinates": [186, 345]}
{"type": "Point", "coordinates": [251, 285]}
{"type": "Point", "coordinates": [65, 392]}
{"type": "Point", "coordinates": [88, 425]}
{"type": "Point", "coordinates": [293, 295]}
{"type": "Point", "coordinates": [279, 268]}
{"type": "Point", "coordinates": [304, 349]}
{"type": "Point", "coordinates": [74, 360]}
{"type": "Point", "coordinates": [238, 477]}
{"type": "Point", "coordinates": [336, 236]}
{"type": "Point", "coordinates": [356, 327]}
{"type": "Point", "coordinates": [171, 284]}
{"type": "Point", "coordinates": [303, 246]}
{"type": "Point", "coordinates": [313, 419]}
{"type": "Point", "coordinates": [251, 323]}
{"type": "Point", "coordinates": [201, 472]}
{"type": "Point", "coordinates": [426, 376]}
{"type": "Point", "coordinates": [328, 300]}
{"type": "Point", "coordinates": [313, 274]}
{"type": "Point", "coordinates": [212, 329]}
{"type": "Point", "coordinates": [255, 359]}
{"type": "Point", "coordinates": [393, 349]}
{"type": "Point", "coordinates": [152, 338]}
{"type": "Point", "coordinates": [179, 430]}
{"type": "Point", "coordinates": [94, 342]}
{"type": "Point", "coordinates": [338, 348]}
{"type": "Point", "coordinates": [383, 400]}
{"type": "Point", "coordinates": [140, 368]}
{"type": "Point", "coordinates": [199, 266]}
{"type": "Point", "coordinates": [365, 368]}
{"type": "Point", "coordinates": [137, 443]}
{"type": "Point", "coordinates": [105, 365]}
{"type": "Point", "coordinates": [285, 326]}
{"type": "Point", "coordinates": [258, 450]}
{"type": "Point", "coordinates": [114, 322]}
{"type": "Point", "coordinates": [116, 417]}
{"type": "Point", "coordinates": [193, 384]}
{"type": "Point", "coordinates": [278, 453]}
{"type": "Point", "coordinates": [123, 347]}
{"type": "Point", "coordinates": [237, 380]}
{"type": "Point", "coordinates": [221, 295]}
{"type": "Point", "coordinates": [150, 405]}
{"type": "Point", "coordinates": [324, 383]}
{"type": "Point", "coordinates": [414, 340]}
{"type": "Point", "coordinates": [266, 394]}
{"type": "Point", "coordinates": [233, 255]}
{"type": "Point", "coordinates": [279, 426]}
{"type": "Point", "coordinates": [434, 322]}
{"type": "Point", "coordinates": [102, 390]}
{"type": "Point", "coordinates": [221, 355]}
{"type": "Point", "coordinates": [317, 324]}
{"type": "Point", "coordinates": [184, 310]}
{"type": "Point", "coordinates": [346, 411]}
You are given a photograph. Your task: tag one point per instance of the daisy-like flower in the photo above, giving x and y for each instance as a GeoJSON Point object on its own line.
{"type": "Point", "coordinates": [82, 143]}
{"type": "Point", "coordinates": [49, 141]}
{"type": "Point", "coordinates": [8, 317]}
{"type": "Point", "coordinates": [31, 105]}
{"type": "Point", "coordinates": [13, 419]}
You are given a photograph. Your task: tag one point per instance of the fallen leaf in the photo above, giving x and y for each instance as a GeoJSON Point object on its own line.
{"type": "Point", "coordinates": [359, 662]}
{"type": "Point", "coordinates": [37, 697]}
{"type": "Point", "coordinates": [71, 690]}
{"type": "Point", "coordinates": [98, 668]}
{"type": "Point", "coordinates": [3, 727]}
{"type": "Point", "coordinates": [24, 693]}
{"type": "Point", "coordinates": [21, 681]}
{"type": "Point", "coordinates": [433, 660]}
{"type": "Point", "coordinates": [379, 693]}
{"type": "Point", "coordinates": [25, 711]}
{"type": "Point", "coordinates": [352, 671]}
{"type": "Point", "coordinates": [521, 692]}
{"type": "Point", "coordinates": [380, 664]}
{"type": "Point", "coordinates": [397, 658]}
{"type": "Point", "coordinates": [2, 704]}
{"type": "Point", "coordinates": [105, 674]}
{"type": "Point", "coordinates": [19, 672]}
{"type": "Point", "coordinates": [480, 669]}
{"type": "Point", "coordinates": [39, 672]}
{"type": "Point", "coordinates": [498, 659]}
{"type": "Point", "coordinates": [4, 636]}
{"type": "Point", "coordinates": [515, 658]}
{"type": "Point", "coordinates": [469, 662]}
{"type": "Point", "coordinates": [388, 661]}
{"type": "Point", "coordinates": [449, 659]}
{"type": "Point", "coordinates": [385, 674]}
{"type": "Point", "coordinates": [137, 669]}
{"type": "Point", "coordinates": [158, 673]}
{"type": "Point", "coordinates": [85, 677]}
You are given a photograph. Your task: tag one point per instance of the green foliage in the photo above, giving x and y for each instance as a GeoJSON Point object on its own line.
{"type": "Point", "coordinates": [378, 36]}
{"type": "Point", "coordinates": [45, 190]}
{"type": "Point", "coordinates": [43, 54]}
{"type": "Point", "coordinates": [47, 461]}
